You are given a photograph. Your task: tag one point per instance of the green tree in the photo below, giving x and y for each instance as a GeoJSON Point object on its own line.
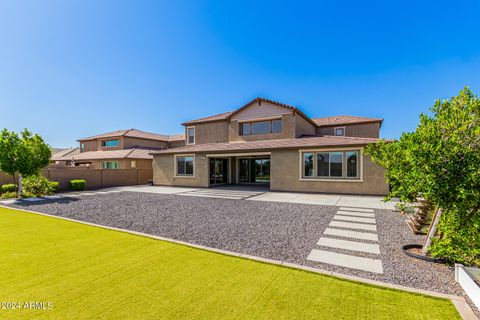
{"type": "Point", "coordinates": [25, 154]}
{"type": "Point", "coordinates": [441, 162]}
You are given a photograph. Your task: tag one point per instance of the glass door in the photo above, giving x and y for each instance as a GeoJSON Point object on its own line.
{"type": "Point", "coordinates": [262, 170]}
{"type": "Point", "coordinates": [254, 170]}
{"type": "Point", "coordinates": [218, 171]}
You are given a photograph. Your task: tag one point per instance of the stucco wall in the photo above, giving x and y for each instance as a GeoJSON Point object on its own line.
{"type": "Point", "coordinates": [288, 131]}
{"type": "Point", "coordinates": [365, 130]}
{"type": "Point", "coordinates": [133, 142]}
{"type": "Point", "coordinates": [303, 127]}
{"type": "Point", "coordinates": [210, 132]}
{"type": "Point", "coordinates": [285, 174]}
{"type": "Point", "coordinates": [163, 172]}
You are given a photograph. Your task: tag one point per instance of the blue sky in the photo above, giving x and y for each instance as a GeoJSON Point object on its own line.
{"type": "Point", "coordinates": [70, 69]}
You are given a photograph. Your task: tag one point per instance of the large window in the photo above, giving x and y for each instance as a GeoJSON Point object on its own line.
{"type": "Point", "coordinates": [261, 127]}
{"type": "Point", "coordinates": [331, 165]}
{"type": "Point", "coordinates": [191, 135]}
{"type": "Point", "coordinates": [110, 143]}
{"type": "Point", "coordinates": [184, 166]}
{"type": "Point", "coordinates": [110, 164]}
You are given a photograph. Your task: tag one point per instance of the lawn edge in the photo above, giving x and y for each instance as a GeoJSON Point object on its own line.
{"type": "Point", "coordinates": [460, 303]}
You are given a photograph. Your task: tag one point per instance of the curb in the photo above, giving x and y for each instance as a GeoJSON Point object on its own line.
{"type": "Point", "coordinates": [459, 302]}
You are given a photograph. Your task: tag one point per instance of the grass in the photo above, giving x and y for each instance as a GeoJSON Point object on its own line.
{"type": "Point", "coordinates": [94, 273]}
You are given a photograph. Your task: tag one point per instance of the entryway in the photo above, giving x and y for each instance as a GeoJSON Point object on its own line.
{"type": "Point", "coordinates": [218, 171]}
{"type": "Point", "coordinates": [254, 170]}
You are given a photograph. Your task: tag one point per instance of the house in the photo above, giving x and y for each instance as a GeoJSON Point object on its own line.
{"type": "Point", "coordinates": [271, 143]}
{"type": "Point", "coordinates": [64, 154]}
{"type": "Point", "coordinates": [121, 149]}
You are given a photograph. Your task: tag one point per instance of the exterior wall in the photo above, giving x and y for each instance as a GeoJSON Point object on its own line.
{"type": "Point", "coordinates": [5, 178]}
{"type": "Point", "coordinates": [119, 147]}
{"type": "Point", "coordinates": [285, 176]}
{"type": "Point", "coordinates": [288, 131]}
{"type": "Point", "coordinates": [303, 127]}
{"type": "Point", "coordinates": [210, 132]}
{"type": "Point", "coordinates": [163, 169]}
{"type": "Point", "coordinates": [259, 111]}
{"type": "Point", "coordinates": [176, 144]}
{"type": "Point", "coordinates": [136, 142]}
{"type": "Point", "coordinates": [90, 145]}
{"type": "Point", "coordinates": [98, 178]}
{"type": "Point", "coordinates": [123, 163]}
{"type": "Point", "coordinates": [365, 130]}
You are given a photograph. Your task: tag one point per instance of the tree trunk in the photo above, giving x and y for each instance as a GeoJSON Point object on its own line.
{"type": "Point", "coordinates": [432, 230]}
{"type": "Point", "coordinates": [20, 185]}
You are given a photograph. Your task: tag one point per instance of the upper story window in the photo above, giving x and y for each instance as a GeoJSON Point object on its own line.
{"type": "Point", "coordinates": [340, 131]}
{"type": "Point", "coordinates": [331, 165]}
{"type": "Point", "coordinates": [191, 135]}
{"type": "Point", "coordinates": [82, 147]}
{"type": "Point", "coordinates": [110, 143]}
{"type": "Point", "coordinates": [261, 127]}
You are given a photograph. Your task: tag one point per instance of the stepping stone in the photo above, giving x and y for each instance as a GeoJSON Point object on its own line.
{"type": "Point", "coordinates": [356, 214]}
{"type": "Point", "coordinates": [10, 201]}
{"type": "Point", "coordinates": [349, 245]}
{"type": "Point", "coordinates": [356, 209]}
{"type": "Point", "coordinates": [354, 219]}
{"type": "Point", "coordinates": [351, 234]}
{"type": "Point", "coordinates": [350, 225]}
{"type": "Point", "coordinates": [345, 260]}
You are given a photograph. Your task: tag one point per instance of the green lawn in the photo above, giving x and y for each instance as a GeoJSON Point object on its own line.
{"type": "Point", "coordinates": [93, 273]}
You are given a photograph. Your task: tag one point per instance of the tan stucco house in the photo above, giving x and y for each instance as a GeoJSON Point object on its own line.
{"type": "Point", "coordinates": [121, 149]}
{"type": "Point", "coordinates": [275, 144]}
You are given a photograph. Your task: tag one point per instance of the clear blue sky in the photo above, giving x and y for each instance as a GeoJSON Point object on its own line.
{"type": "Point", "coordinates": [70, 69]}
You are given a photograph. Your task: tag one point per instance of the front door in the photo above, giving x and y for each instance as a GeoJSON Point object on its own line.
{"type": "Point", "coordinates": [218, 171]}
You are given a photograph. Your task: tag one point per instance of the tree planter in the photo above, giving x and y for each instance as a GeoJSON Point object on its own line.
{"type": "Point", "coordinates": [407, 250]}
{"type": "Point", "coordinates": [469, 280]}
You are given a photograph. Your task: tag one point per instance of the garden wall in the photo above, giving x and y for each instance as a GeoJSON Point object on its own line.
{"type": "Point", "coordinates": [4, 178]}
{"type": "Point", "coordinates": [99, 178]}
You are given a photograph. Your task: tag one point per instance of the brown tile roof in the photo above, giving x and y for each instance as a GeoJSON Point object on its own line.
{"type": "Point", "coordinates": [295, 143]}
{"type": "Point", "coordinates": [136, 153]}
{"type": "Point", "coordinates": [176, 137]}
{"type": "Point", "coordinates": [337, 120]}
{"type": "Point", "coordinates": [134, 133]}
{"type": "Point", "coordinates": [65, 152]}
{"type": "Point", "coordinates": [227, 115]}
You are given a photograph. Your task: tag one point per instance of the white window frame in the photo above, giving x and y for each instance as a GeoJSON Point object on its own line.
{"type": "Point", "coordinates": [175, 157]}
{"type": "Point", "coordinates": [302, 177]}
{"type": "Point", "coordinates": [188, 137]}
{"type": "Point", "coordinates": [335, 131]}
{"type": "Point", "coordinates": [133, 164]}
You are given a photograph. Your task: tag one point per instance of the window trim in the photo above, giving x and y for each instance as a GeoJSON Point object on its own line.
{"type": "Point", "coordinates": [133, 164]}
{"type": "Point", "coordinates": [175, 157]}
{"type": "Point", "coordinates": [335, 131]}
{"type": "Point", "coordinates": [105, 141]}
{"type": "Point", "coordinates": [187, 137]}
{"type": "Point", "coordinates": [250, 122]}
{"type": "Point", "coordinates": [344, 177]}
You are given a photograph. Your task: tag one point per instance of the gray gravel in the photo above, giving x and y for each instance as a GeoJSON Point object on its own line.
{"type": "Point", "coordinates": [281, 231]}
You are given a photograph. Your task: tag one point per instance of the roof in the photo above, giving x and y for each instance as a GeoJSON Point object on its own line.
{"type": "Point", "coordinates": [228, 115]}
{"type": "Point", "coordinates": [135, 153]}
{"type": "Point", "coordinates": [293, 143]}
{"type": "Point", "coordinates": [337, 120]}
{"type": "Point", "coordinates": [176, 137]}
{"type": "Point", "coordinates": [65, 152]}
{"type": "Point", "coordinates": [133, 133]}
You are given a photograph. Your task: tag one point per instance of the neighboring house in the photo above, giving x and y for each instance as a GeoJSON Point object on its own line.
{"type": "Point", "coordinates": [271, 143]}
{"type": "Point", "coordinates": [122, 149]}
{"type": "Point", "coordinates": [63, 154]}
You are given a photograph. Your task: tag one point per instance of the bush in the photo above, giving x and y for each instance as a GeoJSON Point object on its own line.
{"type": "Point", "coordinates": [8, 188]}
{"type": "Point", "coordinates": [55, 185]}
{"type": "Point", "coordinates": [38, 186]}
{"type": "Point", "coordinates": [8, 195]}
{"type": "Point", "coordinates": [78, 185]}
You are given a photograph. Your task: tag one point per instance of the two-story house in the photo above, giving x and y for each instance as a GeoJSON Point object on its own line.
{"type": "Point", "coordinates": [121, 149]}
{"type": "Point", "coordinates": [271, 143]}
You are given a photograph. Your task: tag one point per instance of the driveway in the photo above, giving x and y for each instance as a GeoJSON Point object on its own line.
{"type": "Point", "coordinates": [351, 240]}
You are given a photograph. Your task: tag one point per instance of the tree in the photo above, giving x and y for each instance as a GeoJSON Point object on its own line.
{"type": "Point", "coordinates": [25, 154]}
{"type": "Point", "coordinates": [441, 162]}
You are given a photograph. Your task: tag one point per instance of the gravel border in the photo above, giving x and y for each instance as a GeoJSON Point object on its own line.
{"type": "Point", "coordinates": [273, 230]}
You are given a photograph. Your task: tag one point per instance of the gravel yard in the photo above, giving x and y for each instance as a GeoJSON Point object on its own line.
{"type": "Point", "coordinates": [281, 231]}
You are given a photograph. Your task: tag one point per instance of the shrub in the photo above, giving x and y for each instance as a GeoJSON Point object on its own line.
{"type": "Point", "coordinates": [55, 185]}
{"type": "Point", "coordinates": [78, 185]}
{"type": "Point", "coordinates": [8, 195]}
{"type": "Point", "coordinates": [38, 185]}
{"type": "Point", "coordinates": [8, 188]}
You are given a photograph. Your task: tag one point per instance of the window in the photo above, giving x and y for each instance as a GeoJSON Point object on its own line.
{"type": "Point", "coordinates": [340, 131]}
{"type": "Point", "coordinates": [261, 127]}
{"type": "Point", "coordinates": [133, 164]}
{"type": "Point", "coordinates": [82, 147]}
{"type": "Point", "coordinates": [184, 166]}
{"type": "Point", "coordinates": [191, 135]}
{"type": "Point", "coordinates": [308, 164]}
{"type": "Point", "coordinates": [110, 143]}
{"type": "Point", "coordinates": [110, 164]}
{"type": "Point", "coordinates": [331, 165]}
